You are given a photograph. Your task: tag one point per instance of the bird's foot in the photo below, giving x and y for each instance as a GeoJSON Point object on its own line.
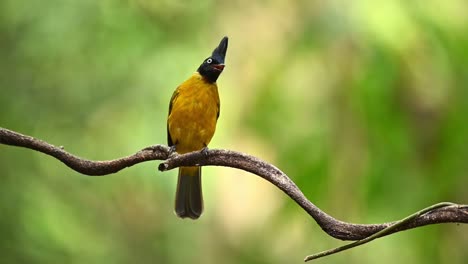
{"type": "Point", "coordinates": [205, 151]}
{"type": "Point", "coordinates": [155, 148]}
{"type": "Point", "coordinates": [172, 151]}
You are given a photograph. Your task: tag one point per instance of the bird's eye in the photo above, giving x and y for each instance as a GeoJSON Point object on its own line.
{"type": "Point", "coordinates": [209, 60]}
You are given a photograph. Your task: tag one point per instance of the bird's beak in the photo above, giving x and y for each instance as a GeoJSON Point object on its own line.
{"type": "Point", "coordinates": [220, 52]}
{"type": "Point", "coordinates": [219, 67]}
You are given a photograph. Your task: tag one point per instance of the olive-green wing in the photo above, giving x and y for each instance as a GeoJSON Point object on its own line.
{"type": "Point", "coordinates": [173, 98]}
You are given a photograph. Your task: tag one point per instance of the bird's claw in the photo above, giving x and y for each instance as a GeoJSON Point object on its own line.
{"type": "Point", "coordinates": [204, 151]}
{"type": "Point", "coordinates": [154, 148]}
{"type": "Point", "coordinates": [172, 151]}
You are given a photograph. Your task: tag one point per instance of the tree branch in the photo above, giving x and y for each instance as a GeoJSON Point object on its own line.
{"type": "Point", "coordinates": [440, 213]}
{"type": "Point", "coordinates": [84, 166]}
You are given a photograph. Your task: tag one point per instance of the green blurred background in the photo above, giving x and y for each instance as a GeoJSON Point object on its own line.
{"type": "Point", "coordinates": [363, 104]}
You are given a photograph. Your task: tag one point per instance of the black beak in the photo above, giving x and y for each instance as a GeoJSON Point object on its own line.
{"type": "Point", "coordinates": [220, 52]}
{"type": "Point", "coordinates": [219, 67]}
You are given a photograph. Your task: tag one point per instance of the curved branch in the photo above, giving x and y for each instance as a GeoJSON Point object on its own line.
{"type": "Point", "coordinates": [449, 213]}
{"type": "Point", "coordinates": [333, 227]}
{"type": "Point", "coordinates": [381, 233]}
{"type": "Point", "coordinates": [84, 166]}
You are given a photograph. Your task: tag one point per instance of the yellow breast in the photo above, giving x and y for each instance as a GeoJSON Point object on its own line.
{"type": "Point", "coordinates": [194, 112]}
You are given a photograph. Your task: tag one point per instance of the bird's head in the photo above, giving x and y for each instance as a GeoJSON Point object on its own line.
{"type": "Point", "coordinates": [212, 66]}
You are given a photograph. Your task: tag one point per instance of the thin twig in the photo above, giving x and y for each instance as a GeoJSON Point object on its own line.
{"type": "Point", "coordinates": [381, 233]}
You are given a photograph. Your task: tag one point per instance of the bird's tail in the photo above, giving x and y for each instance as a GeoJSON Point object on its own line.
{"type": "Point", "coordinates": [189, 198]}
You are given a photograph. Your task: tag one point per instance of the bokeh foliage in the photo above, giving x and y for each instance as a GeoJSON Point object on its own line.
{"type": "Point", "coordinates": [363, 103]}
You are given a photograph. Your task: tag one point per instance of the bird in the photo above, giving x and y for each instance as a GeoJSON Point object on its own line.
{"type": "Point", "coordinates": [191, 124]}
